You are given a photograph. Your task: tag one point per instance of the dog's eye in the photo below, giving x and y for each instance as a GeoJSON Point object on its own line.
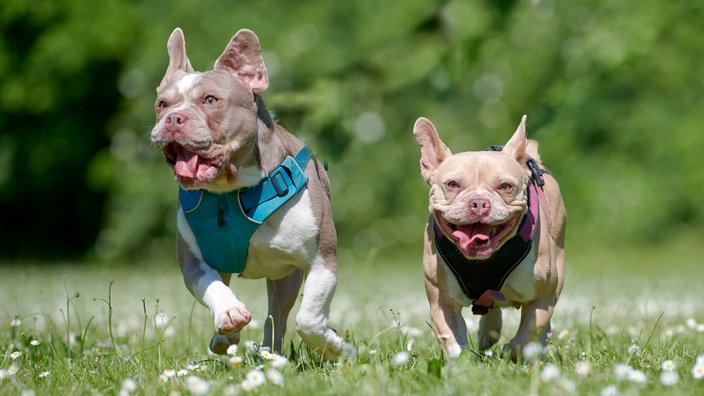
{"type": "Point", "coordinates": [210, 99]}
{"type": "Point", "coordinates": [162, 104]}
{"type": "Point", "coordinates": [452, 184]}
{"type": "Point", "coordinates": [506, 187]}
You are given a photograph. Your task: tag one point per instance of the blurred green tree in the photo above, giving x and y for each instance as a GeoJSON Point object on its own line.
{"type": "Point", "coordinates": [612, 91]}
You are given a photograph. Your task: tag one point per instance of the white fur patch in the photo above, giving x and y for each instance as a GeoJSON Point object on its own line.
{"type": "Point", "coordinates": [288, 238]}
{"type": "Point", "coordinates": [522, 280]}
{"type": "Point", "coordinates": [185, 83]}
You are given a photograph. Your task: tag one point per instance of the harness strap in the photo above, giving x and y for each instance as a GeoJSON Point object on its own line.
{"type": "Point", "coordinates": [260, 201]}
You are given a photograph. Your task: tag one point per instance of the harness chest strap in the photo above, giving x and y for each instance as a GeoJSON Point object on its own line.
{"type": "Point", "coordinates": [223, 224]}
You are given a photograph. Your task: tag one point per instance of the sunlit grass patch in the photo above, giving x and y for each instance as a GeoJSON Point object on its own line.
{"type": "Point", "coordinates": [85, 330]}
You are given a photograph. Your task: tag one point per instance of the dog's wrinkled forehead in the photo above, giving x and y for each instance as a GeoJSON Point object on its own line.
{"type": "Point", "coordinates": [479, 167]}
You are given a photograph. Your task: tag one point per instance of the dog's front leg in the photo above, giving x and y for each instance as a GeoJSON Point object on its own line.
{"type": "Point", "coordinates": [535, 322]}
{"type": "Point", "coordinates": [447, 322]}
{"type": "Point", "coordinates": [282, 296]}
{"type": "Point", "coordinates": [210, 289]}
{"type": "Point", "coordinates": [312, 316]}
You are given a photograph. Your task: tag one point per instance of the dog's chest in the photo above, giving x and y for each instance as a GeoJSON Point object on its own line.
{"type": "Point", "coordinates": [286, 240]}
{"type": "Point", "coordinates": [519, 286]}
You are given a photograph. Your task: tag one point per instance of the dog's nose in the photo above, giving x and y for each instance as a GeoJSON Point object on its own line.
{"type": "Point", "coordinates": [479, 206]}
{"type": "Point", "coordinates": [175, 119]}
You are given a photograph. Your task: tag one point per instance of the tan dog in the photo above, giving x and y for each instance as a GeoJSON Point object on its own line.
{"type": "Point", "coordinates": [495, 238]}
{"type": "Point", "coordinates": [251, 199]}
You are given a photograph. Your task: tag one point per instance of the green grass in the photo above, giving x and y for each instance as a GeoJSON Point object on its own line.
{"type": "Point", "coordinates": [98, 326]}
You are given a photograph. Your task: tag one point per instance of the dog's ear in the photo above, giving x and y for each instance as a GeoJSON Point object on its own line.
{"type": "Point", "coordinates": [243, 59]}
{"type": "Point", "coordinates": [177, 56]}
{"type": "Point", "coordinates": [432, 150]}
{"type": "Point", "coordinates": [516, 146]}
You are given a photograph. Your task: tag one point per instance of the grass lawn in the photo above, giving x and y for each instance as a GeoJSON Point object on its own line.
{"type": "Point", "coordinates": [80, 329]}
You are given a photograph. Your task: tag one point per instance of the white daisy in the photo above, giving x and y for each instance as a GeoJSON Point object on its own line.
{"type": "Point", "coordinates": [275, 377]}
{"type": "Point", "coordinates": [197, 386]}
{"type": "Point", "coordinates": [400, 358]}
{"type": "Point", "coordinates": [255, 378]}
{"type": "Point", "coordinates": [128, 384]}
{"type": "Point", "coordinates": [610, 390]}
{"type": "Point", "coordinates": [621, 371]}
{"type": "Point", "coordinates": [550, 373]}
{"type": "Point", "coordinates": [669, 378]}
{"type": "Point", "coordinates": [668, 365]}
{"type": "Point", "coordinates": [583, 368]}
{"type": "Point", "coordinates": [637, 376]}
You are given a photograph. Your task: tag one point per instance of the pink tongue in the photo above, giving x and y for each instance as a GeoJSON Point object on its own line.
{"type": "Point", "coordinates": [186, 163]}
{"type": "Point", "coordinates": [471, 234]}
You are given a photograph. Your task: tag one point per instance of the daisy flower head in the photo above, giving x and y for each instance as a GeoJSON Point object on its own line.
{"type": "Point", "coordinates": [197, 385]}
{"type": "Point", "coordinates": [583, 368]}
{"type": "Point", "coordinates": [634, 350]}
{"type": "Point", "coordinates": [698, 370]}
{"type": "Point", "coordinates": [255, 378]}
{"type": "Point", "coordinates": [668, 365]}
{"type": "Point", "coordinates": [550, 373]}
{"type": "Point", "coordinates": [35, 342]}
{"type": "Point", "coordinates": [182, 373]}
{"type": "Point", "coordinates": [409, 344]}
{"type": "Point", "coordinates": [163, 379]}
{"type": "Point", "coordinates": [12, 370]}
{"type": "Point", "coordinates": [621, 371]}
{"type": "Point", "coordinates": [610, 390]}
{"type": "Point", "coordinates": [400, 358]}
{"type": "Point", "coordinates": [235, 362]}
{"type": "Point", "coordinates": [669, 378]}
{"type": "Point", "coordinates": [232, 349]}
{"type": "Point", "coordinates": [700, 359]}
{"type": "Point", "coordinates": [129, 385]}
{"type": "Point", "coordinates": [279, 362]}
{"type": "Point", "coordinates": [16, 322]}
{"type": "Point", "coordinates": [265, 354]}
{"type": "Point", "coordinates": [411, 331]}
{"type": "Point", "coordinates": [637, 376]}
{"type": "Point", "coordinates": [15, 355]}
{"type": "Point", "coordinates": [275, 377]}
{"type": "Point", "coordinates": [44, 374]}
{"type": "Point", "coordinates": [691, 323]}
{"type": "Point", "coordinates": [4, 374]}
{"type": "Point", "coordinates": [532, 351]}
{"type": "Point", "coordinates": [170, 373]}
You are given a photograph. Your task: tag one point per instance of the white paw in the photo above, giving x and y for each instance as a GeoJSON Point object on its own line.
{"type": "Point", "coordinates": [232, 320]}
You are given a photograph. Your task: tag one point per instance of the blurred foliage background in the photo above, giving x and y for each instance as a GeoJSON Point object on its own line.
{"type": "Point", "coordinates": [613, 90]}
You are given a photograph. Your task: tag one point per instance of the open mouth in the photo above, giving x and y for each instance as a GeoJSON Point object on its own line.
{"type": "Point", "coordinates": [479, 240]}
{"type": "Point", "coordinates": [189, 167]}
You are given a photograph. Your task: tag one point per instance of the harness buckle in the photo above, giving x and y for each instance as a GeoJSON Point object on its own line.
{"type": "Point", "coordinates": [279, 183]}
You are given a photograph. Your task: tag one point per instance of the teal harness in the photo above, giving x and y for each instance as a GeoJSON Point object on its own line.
{"type": "Point", "coordinates": [224, 223]}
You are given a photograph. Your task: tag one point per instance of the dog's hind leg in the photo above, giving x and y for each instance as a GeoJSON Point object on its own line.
{"type": "Point", "coordinates": [312, 316]}
{"type": "Point", "coordinates": [489, 329]}
{"type": "Point", "coordinates": [282, 296]}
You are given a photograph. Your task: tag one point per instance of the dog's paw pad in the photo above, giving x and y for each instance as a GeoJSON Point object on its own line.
{"type": "Point", "coordinates": [220, 343]}
{"type": "Point", "coordinates": [232, 320]}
